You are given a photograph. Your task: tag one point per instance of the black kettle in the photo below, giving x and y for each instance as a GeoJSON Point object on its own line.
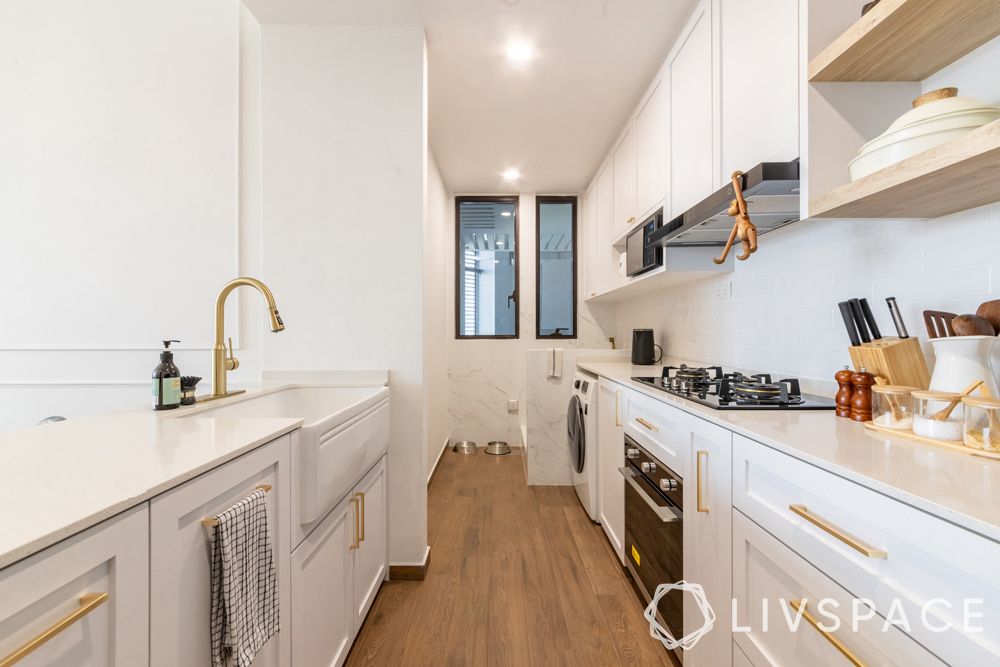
{"type": "Point", "coordinates": [643, 348]}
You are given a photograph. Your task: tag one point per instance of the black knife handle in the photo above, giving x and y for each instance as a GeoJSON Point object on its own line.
{"type": "Point", "coordinates": [859, 318]}
{"type": "Point", "coordinates": [852, 330]}
{"type": "Point", "coordinates": [897, 317]}
{"type": "Point", "coordinates": [870, 319]}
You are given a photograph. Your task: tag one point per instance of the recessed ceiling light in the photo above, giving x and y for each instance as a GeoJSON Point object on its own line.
{"type": "Point", "coordinates": [505, 214]}
{"type": "Point", "coordinates": [511, 174]}
{"type": "Point", "coordinates": [519, 52]}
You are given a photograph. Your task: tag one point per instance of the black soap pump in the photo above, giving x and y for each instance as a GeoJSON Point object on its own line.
{"type": "Point", "coordinates": [166, 380]}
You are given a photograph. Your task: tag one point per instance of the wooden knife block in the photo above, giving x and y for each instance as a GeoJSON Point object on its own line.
{"type": "Point", "coordinates": [899, 360]}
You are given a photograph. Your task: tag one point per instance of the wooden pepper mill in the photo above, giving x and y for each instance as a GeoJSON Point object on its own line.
{"type": "Point", "coordinates": [846, 392]}
{"type": "Point", "coordinates": [861, 402]}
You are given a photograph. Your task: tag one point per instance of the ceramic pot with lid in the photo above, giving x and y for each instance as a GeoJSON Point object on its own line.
{"type": "Point", "coordinates": [936, 118]}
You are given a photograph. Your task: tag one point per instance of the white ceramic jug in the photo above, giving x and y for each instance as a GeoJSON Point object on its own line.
{"type": "Point", "coordinates": [961, 360]}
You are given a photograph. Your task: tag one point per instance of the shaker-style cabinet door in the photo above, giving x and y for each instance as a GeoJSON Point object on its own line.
{"type": "Point", "coordinates": [708, 520]}
{"type": "Point", "coordinates": [623, 164]}
{"type": "Point", "coordinates": [611, 456]}
{"type": "Point", "coordinates": [92, 590]}
{"type": "Point", "coordinates": [371, 560]}
{"type": "Point", "coordinates": [651, 150]}
{"type": "Point", "coordinates": [180, 582]}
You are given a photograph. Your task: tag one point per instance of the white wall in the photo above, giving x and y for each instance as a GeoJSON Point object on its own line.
{"type": "Point", "coordinates": [343, 189]}
{"type": "Point", "coordinates": [484, 373]}
{"type": "Point", "coordinates": [123, 208]}
{"type": "Point", "coordinates": [437, 228]}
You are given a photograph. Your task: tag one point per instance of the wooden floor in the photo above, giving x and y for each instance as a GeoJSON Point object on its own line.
{"type": "Point", "coordinates": [518, 575]}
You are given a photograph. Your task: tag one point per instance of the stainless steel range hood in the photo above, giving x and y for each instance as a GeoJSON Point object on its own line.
{"type": "Point", "coordinates": [771, 190]}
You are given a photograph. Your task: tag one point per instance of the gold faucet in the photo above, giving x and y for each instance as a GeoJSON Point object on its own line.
{"type": "Point", "coordinates": [222, 362]}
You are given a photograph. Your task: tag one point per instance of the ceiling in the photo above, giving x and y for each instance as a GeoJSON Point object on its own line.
{"type": "Point", "coordinates": [553, 119]}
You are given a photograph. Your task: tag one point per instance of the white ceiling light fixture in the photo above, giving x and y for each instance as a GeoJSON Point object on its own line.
{"type": "Point", "coordinates": [520, 53]}
{"type": "Point", "coordinates": [511, 174]}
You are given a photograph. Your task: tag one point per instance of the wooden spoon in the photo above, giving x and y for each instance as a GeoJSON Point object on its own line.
{"type": "Point", "coordinates": [945, 412]}
{"type": "Point", "coordinates": [897, 413]}
{"type": "Point", "coordinates": [972, 325]}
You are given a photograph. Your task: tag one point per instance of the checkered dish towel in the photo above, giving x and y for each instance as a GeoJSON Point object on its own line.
{"type": "Point", "coordinates": [244, 582]}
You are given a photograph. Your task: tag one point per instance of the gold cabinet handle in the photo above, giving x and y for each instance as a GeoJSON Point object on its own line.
{"type": "Point", "coordinates": [357, 520]}
{"type": "Point", "coordinates": [88, 603]}
{"type": "Point", "coordinates": [828, 636]}
{"type": "Point", "coordinates": [702, 457]}
{"type": "Point", "coordinates": [646, 424]}
{"type": "Point", "coordinates": [618, 407]}
{"type": "Point", "coordinates": [630, 219]}
{"type": "Point", "coordinates": [850, 540]}
{"type": "Point", "coordinates": [361, 495]}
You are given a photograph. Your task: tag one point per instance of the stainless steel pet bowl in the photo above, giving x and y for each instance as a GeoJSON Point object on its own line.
{"type": "Point", "coordinates": [497, 448]}
{"type": "Point", "coordinates": [464, 447]}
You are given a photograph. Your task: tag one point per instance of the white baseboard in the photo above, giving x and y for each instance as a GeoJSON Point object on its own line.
{"type": "Point", "coordinates": [437, 461]}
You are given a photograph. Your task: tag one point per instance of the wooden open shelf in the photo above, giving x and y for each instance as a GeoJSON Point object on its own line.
{"type": "Point", "coordinates": [952, 177]}
{"type": "Point", "coordinates": [907, 40]}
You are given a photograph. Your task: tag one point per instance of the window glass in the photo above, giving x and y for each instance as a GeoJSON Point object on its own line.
{"type": "Point", "coordinates": [556, 287]}
{"type": "Point", "coordinates": [487, 267]}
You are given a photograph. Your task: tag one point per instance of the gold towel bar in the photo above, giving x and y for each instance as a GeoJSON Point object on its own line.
{"type": "Point", "coordinates": [88, 603]}
{"type": "Point", "coordinates": [214, 521]}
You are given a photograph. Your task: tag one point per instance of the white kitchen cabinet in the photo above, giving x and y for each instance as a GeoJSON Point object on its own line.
{"type": "Point", "coordinates": [323, 623]}
{"type": "Point", "coordinates": [770, 580]}
{"type": "Point", "coordinates": [371, 559]}
{"type": "Point", "coordinates": [611, 400]}
{"type": "Point", "coordinates": [179, 555]}
{"type": "Point", "coordinates": [337, 571]}
{"type": "Point", "coordinates": [693, 161]}
{"type": "Point", "coordinates": [588, 240]}
{"type": "Point", "coordinates": [606, 269]}
{"type": "Point", "coordinates": [708, 516]}
{"type": "Point", "coordinates": [101, 576]}
{"type": "Point", "coordinates": [651, 150]}
{"type": "Point", "coordinates": [623, 164]}
{"type": "Point", "coordinates": [759, 71]}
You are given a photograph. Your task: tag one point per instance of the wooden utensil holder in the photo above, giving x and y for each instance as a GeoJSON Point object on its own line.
{"type": "Point", "coordinates": [899, 360]}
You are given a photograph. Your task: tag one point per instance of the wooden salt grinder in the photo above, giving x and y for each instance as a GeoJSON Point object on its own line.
{"type": "Point", "coordinates": [861, 402]}
{"type": "Point", "coordinates": [846, 392]}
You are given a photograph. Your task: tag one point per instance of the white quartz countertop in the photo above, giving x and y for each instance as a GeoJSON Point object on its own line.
{"type": "Point", "coordinates": [957, 487]}
{"type": "Point", "coordinates": [61, 478]}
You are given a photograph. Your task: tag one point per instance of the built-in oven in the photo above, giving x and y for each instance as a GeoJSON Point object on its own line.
{"type": "Point", "coordinates": [640, 255]}
{"type": "Point", "coordinates": [654, 533]}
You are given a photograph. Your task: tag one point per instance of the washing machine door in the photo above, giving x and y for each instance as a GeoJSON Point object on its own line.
{"type": "Point", "coordinates": [576, 436]}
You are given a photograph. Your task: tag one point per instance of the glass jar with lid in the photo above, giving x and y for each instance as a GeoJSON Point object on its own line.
{"type": "Point", "coordinates": [938, 415]}
{"type": "Point", "coordinates": [892, 406]}
{"type": "Point", "coordinates": [982, 423]}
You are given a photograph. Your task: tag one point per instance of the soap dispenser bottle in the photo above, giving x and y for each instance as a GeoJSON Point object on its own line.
{"type": "Point", "coordinates": [166, 380]}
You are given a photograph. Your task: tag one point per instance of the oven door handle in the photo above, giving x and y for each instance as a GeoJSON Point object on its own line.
{"type": "Point", "coordinates": [667, 514]}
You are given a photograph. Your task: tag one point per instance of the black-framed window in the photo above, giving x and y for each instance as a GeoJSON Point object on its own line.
{"type": "Point", "coordinates": [555, 267]}
{"type": "Point", "coordinates": [486, 285]}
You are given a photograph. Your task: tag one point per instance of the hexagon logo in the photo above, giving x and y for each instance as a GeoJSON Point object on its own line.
{"type": "Point", "coordinates": [661, 634]}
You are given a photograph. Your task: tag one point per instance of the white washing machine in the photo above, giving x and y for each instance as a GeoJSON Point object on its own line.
{"type": "Point", "coordinates": [581, 436]}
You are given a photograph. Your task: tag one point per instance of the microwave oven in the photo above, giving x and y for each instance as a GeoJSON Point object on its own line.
{"type": "Point", "coordinates": [640, 256]}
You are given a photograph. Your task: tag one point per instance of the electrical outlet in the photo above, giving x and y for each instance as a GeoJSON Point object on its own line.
{"type": "Point", "coordinates": [512, 406]}
{"type": "Point", "coordinates": [724, 291]}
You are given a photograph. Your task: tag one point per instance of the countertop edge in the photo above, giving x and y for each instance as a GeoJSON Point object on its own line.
{"type": "Point", "coordinates": [983, 528]}
{"type": "Point", "coordinates": [41, 543]}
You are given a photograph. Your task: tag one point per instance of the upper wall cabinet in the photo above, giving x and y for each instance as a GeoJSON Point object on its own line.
{"type": "Point", "coordinates": [692, 156]}
{"type": "Point", "coordinates": [623, 164]}
{"type": "Point", "coordinates": [651, 150]}
{"type": "Point", "coordinates": [759, 73]}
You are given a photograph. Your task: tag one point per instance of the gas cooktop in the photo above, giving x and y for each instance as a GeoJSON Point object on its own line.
{"type": "Point", "coordinates": [717, 389]}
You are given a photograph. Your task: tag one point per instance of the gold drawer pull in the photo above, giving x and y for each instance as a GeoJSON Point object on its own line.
{"type": "Point", "coordinates": [845, 537]}
{"type": "Point", "coordinates": [646, 424]}
{"type": "Point", "coordinates": [702, 457]}
{"type": "Point", "coordinates": [618, 407]}
{"type": "Point", "coordinates": [88, 603]}
{"type": "Point", "coordinates": [357, 520]}
{"type": "Point", "coordinates": [828, 636]}
{"type": "Point", "coordinates": [361, 495]}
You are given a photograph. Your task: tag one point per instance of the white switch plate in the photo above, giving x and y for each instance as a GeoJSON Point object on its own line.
{"type": "Point", "coordinates": [512, 406]}
{"type": "Point", "coordinates": [724, 292]}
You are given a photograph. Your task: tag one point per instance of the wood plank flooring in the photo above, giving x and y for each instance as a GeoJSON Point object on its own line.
{"type": "Point", "coordinates": [519, 575]}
